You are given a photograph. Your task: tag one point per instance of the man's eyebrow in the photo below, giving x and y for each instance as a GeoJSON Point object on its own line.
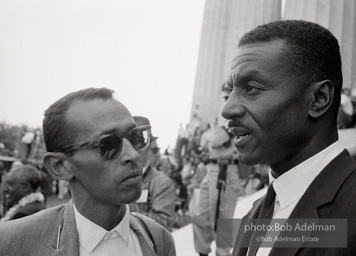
{"type": "Point", "coordinates": [242, 76]}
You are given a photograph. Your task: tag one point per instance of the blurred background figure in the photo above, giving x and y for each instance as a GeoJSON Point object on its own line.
{"type": "Point", "coordinates": [21, 192]}
{"type": "Point", "coordinates": [181, 199]}
{"type": "Point", "coordinates": [219, 189]}
{"type": "Point", "coordinates": [346, 115]}
{"type": "Point", "coordinates": [157, 200]}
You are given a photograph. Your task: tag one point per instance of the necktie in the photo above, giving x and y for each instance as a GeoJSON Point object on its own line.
{"type": "Point", "coordinates": [265, 213]}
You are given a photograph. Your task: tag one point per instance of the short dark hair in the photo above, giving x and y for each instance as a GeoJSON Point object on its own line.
{"type": "Point", "coordinates": [311, 51]}
{"type": "Point", "coordinates": [30, 174]}
{"type": "Point", "coordinates": [57, 131]}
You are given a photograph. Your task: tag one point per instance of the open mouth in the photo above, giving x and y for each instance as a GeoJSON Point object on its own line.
{"type": "Point", "coordinates": [238, 132]}
{"type": "Point", "coordinates": [242, 135]}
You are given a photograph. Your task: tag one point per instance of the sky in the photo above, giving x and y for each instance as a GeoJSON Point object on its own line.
{"type": "Point", "coordinates": [145, 50]}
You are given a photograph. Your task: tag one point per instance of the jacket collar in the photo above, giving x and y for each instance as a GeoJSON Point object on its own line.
{"type": "Point", "coordinates": [320, 194]}
{"type": "Point", "coordinates": [66, 240]}
{"type": "Point", "coordinates": [145, 242]}
{"type": "Point", "coordinates": [238, 250]}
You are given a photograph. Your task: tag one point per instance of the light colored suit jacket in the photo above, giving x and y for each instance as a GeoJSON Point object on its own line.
{"type": "Point", "coordinates": [161, 198]}
{"type": "Point", "coordinates": [331, 195]}
{"type": "Point", "coordinates": [54, 232]}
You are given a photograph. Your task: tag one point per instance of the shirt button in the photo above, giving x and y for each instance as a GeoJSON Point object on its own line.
{"type": "Point", "coordinates": [109, 235]}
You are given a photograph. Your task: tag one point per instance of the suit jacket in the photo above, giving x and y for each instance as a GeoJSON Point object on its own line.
{"type": "Point", "coordinates": [160, 205]}
{"type": "Point", "coordinates": [331, 195]}
{"type": "Point", "coordinates": [54, 232]}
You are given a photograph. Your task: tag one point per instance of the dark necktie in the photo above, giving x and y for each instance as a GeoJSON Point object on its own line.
{"type": "Point", "coordinates": [265, 213]}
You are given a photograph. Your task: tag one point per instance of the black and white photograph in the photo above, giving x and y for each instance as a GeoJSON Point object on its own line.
{"type": "Point", "coordinates": [188, 128]}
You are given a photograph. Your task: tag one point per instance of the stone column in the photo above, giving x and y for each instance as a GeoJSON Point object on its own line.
{"type": "Point", "coordinates": [223, 25]}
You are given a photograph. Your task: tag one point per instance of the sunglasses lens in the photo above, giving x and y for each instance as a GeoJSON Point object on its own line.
{"type": "Point", "coordinates": [139, 139]}
{"type": "Point", "coordinates": [110, 147]}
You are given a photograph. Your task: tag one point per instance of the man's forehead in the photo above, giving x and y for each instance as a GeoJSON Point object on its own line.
{"type": "Point", "coordinates": [99, 116]}
{"type": "Point", "coordinates": [258, 49]}
{"type": "Point", "coordinates": [249, 56]}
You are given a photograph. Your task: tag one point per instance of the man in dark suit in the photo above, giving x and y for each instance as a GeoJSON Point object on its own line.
{"type": "Point", "coordinates": [285, 83]}
{"type": "Point", "coordinates": [21, 194]}
{"type": "Point", "coordinates": [92, 142]}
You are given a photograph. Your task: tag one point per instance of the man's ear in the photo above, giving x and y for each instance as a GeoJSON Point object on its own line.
{"type": "Point", "coordinates": [54, 162]}
{"type": "Point", "coordinates": [322, 96]}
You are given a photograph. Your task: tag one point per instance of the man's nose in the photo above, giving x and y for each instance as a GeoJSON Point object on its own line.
{"type": "Point", "coordinates": [129, 154]}
{"type": "Point", "coordinates": [232, 107]}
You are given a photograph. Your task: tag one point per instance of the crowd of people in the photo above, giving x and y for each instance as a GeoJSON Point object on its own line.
{"type": "Point", "coordinates": [127, 197]}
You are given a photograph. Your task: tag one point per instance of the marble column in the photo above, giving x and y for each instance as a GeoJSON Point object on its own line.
{"type": "Point", "coordinates": [224, 23]}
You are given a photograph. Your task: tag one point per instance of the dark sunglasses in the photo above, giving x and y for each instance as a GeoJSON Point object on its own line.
{"type": "Point", "coordinates": [110, 145]}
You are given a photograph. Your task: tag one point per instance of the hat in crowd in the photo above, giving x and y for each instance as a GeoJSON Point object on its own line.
{"type": "Point", "coordinates": [225, 90]}
{"type": "Point", "coordinates": [140, 120]}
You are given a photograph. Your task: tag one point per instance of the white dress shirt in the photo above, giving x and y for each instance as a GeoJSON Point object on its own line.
{"type": "Point", "coordinates": [95, 240]}
{"type": "Point", "coordinates": [291, 185]}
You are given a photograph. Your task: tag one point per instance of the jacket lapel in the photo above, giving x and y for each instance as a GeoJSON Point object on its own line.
{"type": "Point", "coordinates": [66, 241]}
{"type": "Point", "coordinates": [240, 247]}
{"type": "Point", "coordinates": [319, 195]}
{"type": "Point", "coordinates": [145, 242]}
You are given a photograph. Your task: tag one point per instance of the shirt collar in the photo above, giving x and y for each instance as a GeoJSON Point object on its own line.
{"type": "Point", "coordinates": [90, 234]}
{"type": "Point", "coordinates": [301, 176]}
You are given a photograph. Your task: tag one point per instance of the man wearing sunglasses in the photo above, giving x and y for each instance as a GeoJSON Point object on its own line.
{"type": "Point", "coordinates": [93, 143]}
{"type": "Point", "coordinates": [157, 200]}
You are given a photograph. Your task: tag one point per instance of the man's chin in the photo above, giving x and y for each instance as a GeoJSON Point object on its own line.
{"type": "Point", "coordinates": [134, 195]}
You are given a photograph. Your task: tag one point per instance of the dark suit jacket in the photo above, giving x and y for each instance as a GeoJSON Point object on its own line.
{"type": "Point", "coordinates": [332, 194]}
{"type": "Point", "coordinates": [54, 232]}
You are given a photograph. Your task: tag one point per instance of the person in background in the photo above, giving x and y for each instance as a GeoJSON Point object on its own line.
{"type": "Point", "coordinates": [346, 112]}
{"type": "Point", "coordinates": [157, 200]}
{"type": "Point", "coordinates": [180, 191]}
{"type": "Point", "coordinates": [20, 190]}
{"type": "Point", "coordinates": [200, 172]}
{"type": "Point", "coordinates": [219, 189]}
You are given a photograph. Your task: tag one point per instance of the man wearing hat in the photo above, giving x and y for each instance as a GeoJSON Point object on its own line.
{"type": "Point", "coordinates": [157, 200]}
{"type": "Point", "coordinates": [218, 190]}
